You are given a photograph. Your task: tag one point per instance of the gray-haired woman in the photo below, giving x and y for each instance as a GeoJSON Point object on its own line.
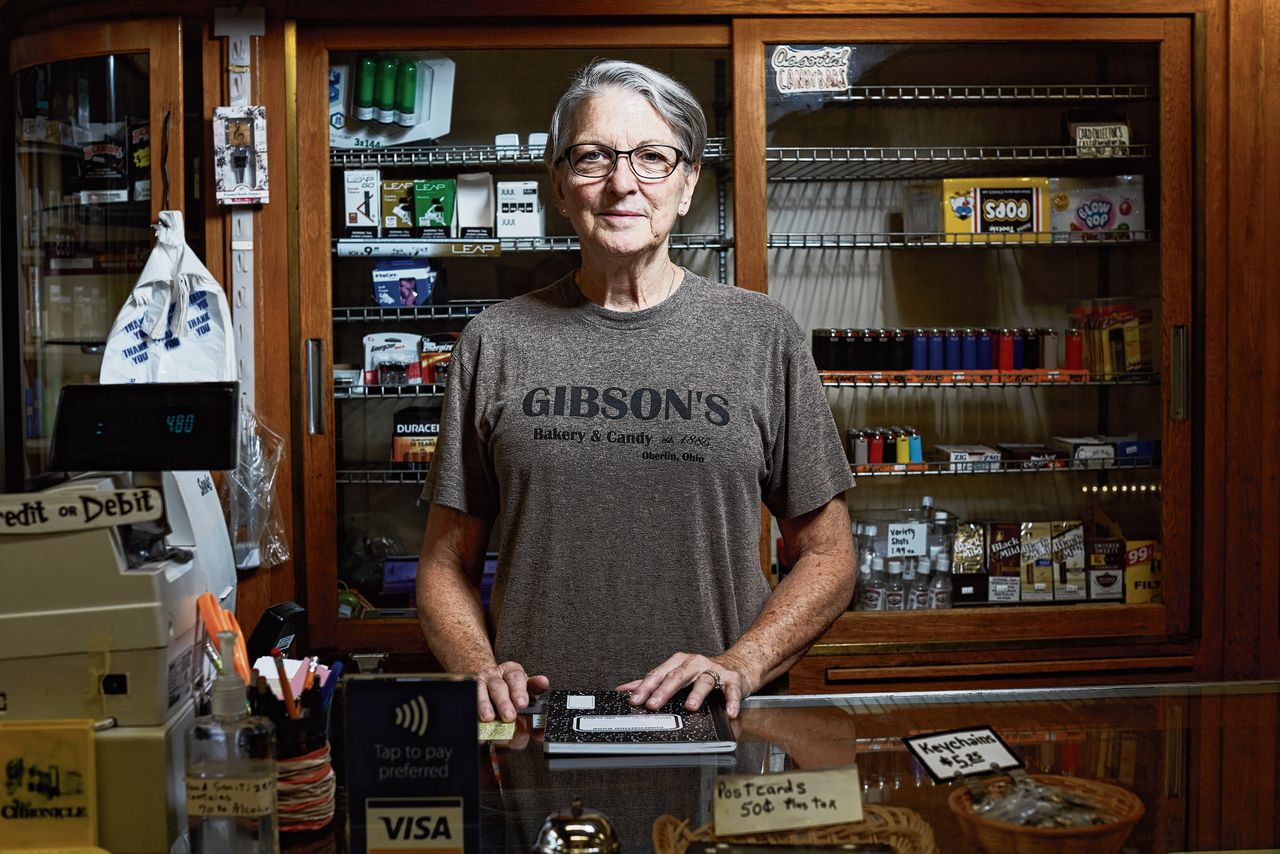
{"type": "Point", "coordinates": [623, 426]}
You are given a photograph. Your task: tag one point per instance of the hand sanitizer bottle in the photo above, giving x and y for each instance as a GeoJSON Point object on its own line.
{"type": "Point", "coordinates": [231, 771]}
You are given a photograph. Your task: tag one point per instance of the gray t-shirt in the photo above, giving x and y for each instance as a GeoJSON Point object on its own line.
{"type": "Point", "coordinates": [625, 456]}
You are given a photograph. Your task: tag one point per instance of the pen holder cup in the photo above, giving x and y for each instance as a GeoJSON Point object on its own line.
{"type": "Point", "coordinates": [305, 782]}
{"type": "Point", "coordinates": [997, 837]}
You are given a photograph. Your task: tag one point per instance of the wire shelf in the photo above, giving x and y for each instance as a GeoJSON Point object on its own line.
{"type": "Point", "coordinates": [440, 311]}
{"type": "Point", "coordinates": [1000, 467]}
{"type": "Point", "coordinates": [851, 163]}
{"type": "Point", "coordinates": [383, 473]}
{"type": "Point", "coordinates": [974, 379]}
{"type": "Point", "coordinates": [962, 94]}
{"type": "Point", "coordinates": [911, 240]}
{"type": "Point", "coordinates": [453, 248]}
{"type": "Point", "coordinates": [373, 392]}
{"type": "Point", "coordinates": [472, 155]}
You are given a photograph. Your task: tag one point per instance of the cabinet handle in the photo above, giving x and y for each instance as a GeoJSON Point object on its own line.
{"type": "Point", "coordinates": [314, 385]}
{"type": "Point", "coordinates": [1178, 373]}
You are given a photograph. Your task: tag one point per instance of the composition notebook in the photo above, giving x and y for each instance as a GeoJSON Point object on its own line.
{"type": "Point", "coordinates": [586, 722]}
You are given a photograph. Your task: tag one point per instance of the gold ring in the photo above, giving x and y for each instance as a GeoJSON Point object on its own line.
{"type": "Point", "coordinates": [719, 686]}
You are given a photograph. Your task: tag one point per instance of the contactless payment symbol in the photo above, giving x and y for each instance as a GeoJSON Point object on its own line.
{"type": "Point", "coordinates": [413, 715]}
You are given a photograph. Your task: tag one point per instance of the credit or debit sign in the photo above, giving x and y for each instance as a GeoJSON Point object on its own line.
{"type": "Point", "coordinates": [760, 803]}
{"type": "Point", "coordinates": [908, 539]}
{"type": "Point", "coordinates": [55, 512]}
{"type": "Point", "coordinates": [961, 753]}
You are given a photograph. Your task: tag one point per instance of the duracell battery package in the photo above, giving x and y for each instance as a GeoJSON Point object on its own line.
{"type": "Point", "coordinates": [1004, 562]}
{"type": "Point", "coordinates": [362, 206]}
{"type": "Point", "coordinates": [1037, 565]}
{"type": "Point", "coordinates": [416, 431]}
{"type": "Point", "coordinates": [1069, 579]}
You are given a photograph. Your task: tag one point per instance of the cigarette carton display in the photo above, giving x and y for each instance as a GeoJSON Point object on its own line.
{"type": "Point", "coordinates": [1142, 571]}
{"type": "Point", "coordinates": [1004, 562]}
{"type": "Point", "coordinates": [475, 206]}
{"type": "Point", "coordinates": [397, 209]}
{"type": "Point", "coordinates": [520, 212]}
{"type": "Point", "coordinates": [433, 208]}
{"type": "Point", "coordinates": [969, 457]}
{"type": "Point", "coordinates": [1069, 579]}
{"type": "Point", "coordinates": [362, 202]}
{"type": "Point", "coordinates": [1113, 208]}
{"type": "Point", "coordinates": [1037, 562]}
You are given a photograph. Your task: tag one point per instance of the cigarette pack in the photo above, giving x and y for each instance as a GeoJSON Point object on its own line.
{"type": "Point", "coordinates": [969, 457]}
{"type": "Point", "coordinates": [362, 190]}
{"type": "Point", "coordinates": [1004, 562]}
{"type": "Point", "coordinates": [475, 206]}
{"type": "Point", "coordinates": [520, 212]}
{"type": "Point", "coordinates": [1142, 571]}
{"type": "Point", "coordinates": [1037, 562]}
{"type": "Point", "coordinates": [397, 209]}
{"type": "Point", "coordinates": [433, 208]}
{"type": "Point", "coordinates": [1069, 580]}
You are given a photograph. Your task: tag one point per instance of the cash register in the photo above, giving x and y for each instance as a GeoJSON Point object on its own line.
{"type": "Point", "coordinates": [98, 617]}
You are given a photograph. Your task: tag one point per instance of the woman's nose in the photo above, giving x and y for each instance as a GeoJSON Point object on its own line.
{"type": "Point", "coordinates": [623, 180]}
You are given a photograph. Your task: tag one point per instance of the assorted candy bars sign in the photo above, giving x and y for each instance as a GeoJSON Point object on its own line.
{"type": "Point", "coordinates": [799, 70]}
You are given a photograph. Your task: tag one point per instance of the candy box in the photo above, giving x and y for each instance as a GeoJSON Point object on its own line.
{"type": "Point", "coordinates": [1103, 208]}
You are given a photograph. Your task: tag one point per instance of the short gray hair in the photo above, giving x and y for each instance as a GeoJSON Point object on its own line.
{"type": "Point", "coordinates": [670, 98]}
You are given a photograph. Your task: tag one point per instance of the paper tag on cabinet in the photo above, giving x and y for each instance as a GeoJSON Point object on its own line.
{"type": "Point", "coordinates": [758, 803]}
{"type": "Point", "coordinates": [961, 752]}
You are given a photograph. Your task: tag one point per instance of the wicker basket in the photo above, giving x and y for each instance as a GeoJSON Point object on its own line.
{"type": "Point", "coordinates": [997, 837]}
{"type": "Point", "coordinates": [901, 828]}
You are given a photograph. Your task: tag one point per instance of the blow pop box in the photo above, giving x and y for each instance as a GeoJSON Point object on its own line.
{"type": "Point", "coordinates": [1105, 208]}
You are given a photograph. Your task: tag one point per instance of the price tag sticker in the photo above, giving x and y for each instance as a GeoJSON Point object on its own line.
{"type": "Point", "coordinates": [908, 539]}
{"type": "Point", "coordinates": [961, 752]}
{"type": "Point", "coordinates": [759, 803]}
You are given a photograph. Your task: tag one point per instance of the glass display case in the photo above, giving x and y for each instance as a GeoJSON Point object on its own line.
{"type": "Point", "coordinates": [98, 129]}
{"type": "Point", "coordinates": [994, 260]}
{"type": "Point", "coordinates": [438, 206]}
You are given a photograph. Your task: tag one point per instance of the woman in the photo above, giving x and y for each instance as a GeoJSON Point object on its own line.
{"type": "Point", "coordinates": [624, 425]}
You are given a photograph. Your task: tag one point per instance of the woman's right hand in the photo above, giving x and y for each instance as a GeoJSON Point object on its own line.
{"type": "Point", "coordinates": [504, 689]}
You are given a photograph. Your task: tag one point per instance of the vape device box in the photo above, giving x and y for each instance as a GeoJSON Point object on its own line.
{"type": "Point", "coordinates": [475, 206]}
{"type": "Point", "coordinates": [520, 212]}
{"type": "Point", "coordinates": [433, 208]}
{"type": "Point", "coordinates": [362, 188]}
{"type": "Point", "coordinates": [1142, 571]}
{"type": "Point", "coordinates": [397, 208]}
{"type": "Point", "coordinates": [1004, 562]}
{"type": "Point", "coordinates": [969, 457]}
{"type": "Point", "coordinates": [1069, 579]}
{"type": "Point", "coordinates": [1037, 564]}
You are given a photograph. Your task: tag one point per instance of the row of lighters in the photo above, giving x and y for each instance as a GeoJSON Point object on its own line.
{"type": "Point", "coordinates": [868, 446]}
{"type": "Point", "coordinates": [946, 349]}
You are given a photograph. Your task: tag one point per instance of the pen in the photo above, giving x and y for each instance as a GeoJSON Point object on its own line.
{"type": "Point", "coordinates": [286, 690]}
{"type": "Point", "coordinates": [331, 684]}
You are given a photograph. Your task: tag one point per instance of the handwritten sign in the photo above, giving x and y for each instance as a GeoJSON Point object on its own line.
{"type": "Point", "coordinates": [961, 752]}
{"type": "Point", "coordinates": [908, 539]}
{"type": "Point", "coordinates": [824, 69]}
{"type": "Point", "coordinates": [247, 797]}
{"type": "Point", "coordinates": [757, 803]}
{"type": "Point", "coordinates": [54, 512]}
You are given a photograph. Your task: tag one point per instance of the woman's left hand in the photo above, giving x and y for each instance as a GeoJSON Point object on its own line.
{"type": "Point", "coordinates": [735, 677]}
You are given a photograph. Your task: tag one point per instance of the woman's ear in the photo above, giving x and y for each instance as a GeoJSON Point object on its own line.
{"type": "Point", "coordinates": [690, 182]}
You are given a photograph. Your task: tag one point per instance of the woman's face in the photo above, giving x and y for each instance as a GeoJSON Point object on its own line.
{"type": "Point", "coordinates": [622, 215]}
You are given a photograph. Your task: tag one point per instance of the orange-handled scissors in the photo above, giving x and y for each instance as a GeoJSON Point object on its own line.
{"type": "Point", "coordinates": [217, 619]}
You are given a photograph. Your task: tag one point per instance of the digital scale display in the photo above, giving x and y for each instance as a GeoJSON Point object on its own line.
{"type": "Point", "coordinates": [146, 427]}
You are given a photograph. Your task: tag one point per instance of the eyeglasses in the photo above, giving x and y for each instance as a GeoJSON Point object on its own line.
{"type": "Point", "coordinates": [651, 162]}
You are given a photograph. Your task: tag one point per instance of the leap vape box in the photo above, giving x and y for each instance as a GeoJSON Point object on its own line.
{"type": "Point", "coordinates": [520, 212]}
{"type": "Point", "coordinates": [1004, 562]}
{"type": "Point", "coordinates": [397, 209]}
{"type": "Point", "coordinates": [1069, 579]}
{"type": "Point", "coordinates": [413, 767]}
{"type": "Point", "coordinates": [362, 205]}
{"type": "Point", "coordinates": [433, 208]}
{"type": "Point", "coordinates": [1037, 562]}
{"type": "Point", "coordinates": [475, 206]}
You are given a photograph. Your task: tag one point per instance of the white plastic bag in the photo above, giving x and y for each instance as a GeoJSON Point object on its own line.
{"type": "Point", "coordinates": [175, 325]}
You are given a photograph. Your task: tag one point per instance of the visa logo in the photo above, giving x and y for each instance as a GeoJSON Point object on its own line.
{"type": "Point", "coordinates": [413, 824]}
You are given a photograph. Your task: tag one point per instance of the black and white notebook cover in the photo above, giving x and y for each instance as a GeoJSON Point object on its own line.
{"type": "Point", "coordinates": [587, 722]}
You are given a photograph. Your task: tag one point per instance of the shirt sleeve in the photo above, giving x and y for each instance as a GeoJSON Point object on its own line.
{"type": "Point", "coordinates": [808, 465]}
{"type": "Point", "coordinates": [462, 473]}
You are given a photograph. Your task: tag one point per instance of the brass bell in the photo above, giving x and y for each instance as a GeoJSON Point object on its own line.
{"type": "Point", "coordinates": [581, 831]}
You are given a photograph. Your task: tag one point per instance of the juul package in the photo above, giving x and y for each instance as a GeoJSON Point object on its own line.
{"type": "Point", "coordinates": [520, 212]}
